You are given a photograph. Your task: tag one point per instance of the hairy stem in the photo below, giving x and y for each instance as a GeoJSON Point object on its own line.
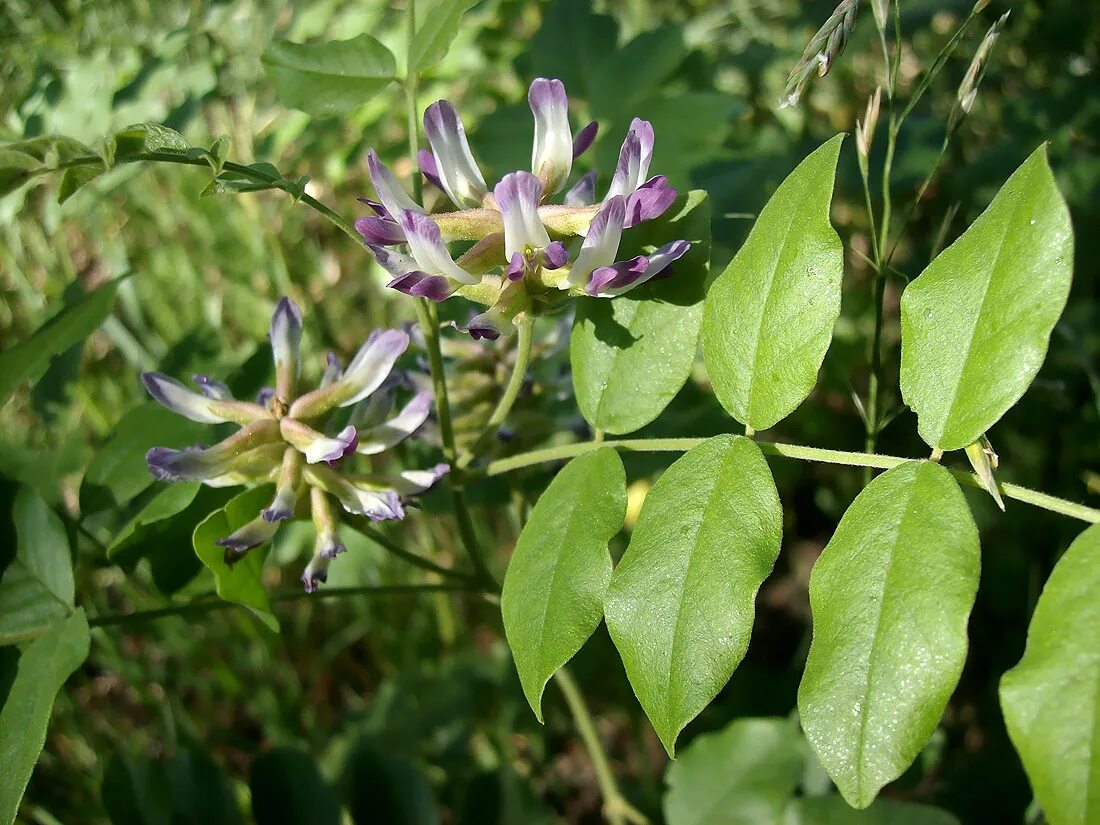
{"type": "Point", "coordinates": [796, 451]}
{"type": "Point", "coordinates": [615, 807]}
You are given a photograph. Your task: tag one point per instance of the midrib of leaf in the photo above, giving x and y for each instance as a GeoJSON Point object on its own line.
{"type": "Point", "coordinates": [764, 312]}
{"type": "Point", "coordinates": [675, 646]}
{"type": "Point", "coordinates": [872, 658]}
{"type": "Point", "coordinates": [631, 309]}
{"type": "Point", "coordinates": [977, 319]}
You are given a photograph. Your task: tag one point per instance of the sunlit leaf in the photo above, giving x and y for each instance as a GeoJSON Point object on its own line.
{"type": "Point", "coordinates": [1050, 699]}
{"type": "Point", "coordinates": [741, 775]}
{"type": "Point", "coordinates": [148, 137]}
{"type": "Point", "coordinates": [554, 590]}
{"type": "Point", "coordinates": [329, 78]}
{"type": "Point", "coordinates": [633, 353]}
{"type": "Point", "coordinates": [681, 603]}
{"type": "Point", "coordinates": [890, 596]}
{"type": "Point", "coordinates": [35, 676]}
{"type": "Point", "coordinates": [832, 810]}
{"type": "Point", "coordinates": [36, 588]}
{"type": "Point", "coordinates": [769, 317]}
{"type": "Point", "coordinates": [438, 26]}
{"type": "Point", "coordinates": [976, 323]}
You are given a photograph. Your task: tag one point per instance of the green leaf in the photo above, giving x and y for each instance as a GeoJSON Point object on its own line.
{"type": "Point", "coordinates": [27, 360]}
{"type": "Point", "coordinates": [976, 323]}
{"type": "Point", "coordinates": [173, 499]}
{"type": "Point", "coordinates": [118, 472]}
{"type": "Point", "coordinates": [148, 137]}
{"type": "Point", "coordinates": [329, 78]}
{"type": "Point", "coordinates": [40, 671]}
{"type": "Point", "coordinates": [742, 775]}
{"type": "Point", "coordinates": [36, 588]}
{"type": "Point", "coordinates": [633, 353]}
{"type": "Point", "coordinates": [681, 602]}
{"type": "Point", "coordinates": [287, 787]}
{"type": "Point", "coordinates": [832, 810]}
{"type": "Point", "coordinates": [77, 177]}
{"type": "Point", "coordinates": [15, 169]}
{"type": "Point", "coordinates": [557, 579]}
{"type": "Point", "coordinates": [386, 789]}
{"type": "Point", "coordinates": [769, 317]}
{"type": "Point", "coordinates": [242, 583]}
{"type": "Point", "coordinates": [1051, 699]}
{"type": "Point", "coordinates": [890, 596]}
{"type": "Point", "coordinates": [437, 30]}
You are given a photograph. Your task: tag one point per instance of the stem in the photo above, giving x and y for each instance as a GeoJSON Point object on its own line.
{"type": "Point", "coordinates": [937, 65]}
{"type": "Point", "coordinates": [796, 451]}
{"type": "Point", "coordinates": [412, 80]}
{"type": "Point", "coordinates": [615, 807]}
{"type": "Point", "coordinates": [391, 547]}
{"type": "Point", "coordinates": [525, 323]}
{"type": "Point", "coordinates": [209, 601]}
{"type": "Point", "coordinates": [429, 323]}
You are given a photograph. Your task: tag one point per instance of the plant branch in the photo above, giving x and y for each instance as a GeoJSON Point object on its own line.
{"type": "Point", "coordinates": [615, 807]}
{"type": "Point", "coordinates": [210, 602]}
{"type": "Point", "coordinates": [795, 451]}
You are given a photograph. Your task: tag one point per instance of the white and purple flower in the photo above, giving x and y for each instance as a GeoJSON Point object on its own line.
{"type": "Point", "coordinates": [518, 236]}
{"type": "Point", "coordinates": [290, 440]}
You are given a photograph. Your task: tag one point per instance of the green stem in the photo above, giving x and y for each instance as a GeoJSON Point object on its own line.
{"type": "Point", "coordinates": [209, 601]}
{"type": "Point", "coordinates": [525, 324]}
{"type": "Point", "coordinates": [796, 451]}
{"type": "Point", "coordinates": [429, 323]}
{"type": "Point", "coordinates": [920, 196]}
{"type": "Point", "coordinates": [937, 65]}
{"type": "Point", "coordinates": [615, 807]}
{"type": "Point", "coordinates": [363, 526]}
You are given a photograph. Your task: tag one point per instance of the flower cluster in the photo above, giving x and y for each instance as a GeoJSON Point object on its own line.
{"type": "Point", "coordinates": [523, 247]}
{"type": "Point", "coordinates": [291, 439]}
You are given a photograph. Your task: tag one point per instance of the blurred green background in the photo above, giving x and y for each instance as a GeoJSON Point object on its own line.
{"type": "Point", "coordinates": [410, 702]}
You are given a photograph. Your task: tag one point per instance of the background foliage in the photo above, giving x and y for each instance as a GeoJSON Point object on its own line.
{"type": "Point", "coordinates": [411, 703]}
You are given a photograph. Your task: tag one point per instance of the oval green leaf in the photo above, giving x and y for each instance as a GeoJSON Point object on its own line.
{"type": "Point", "coordinates": [769, 317]}
{"type": "Point", "coordinates": [36, 588]}
{"type": "Point", "coordinates": [1051, 699]}
{"type": "Point", "coordinates": [39, 672]}
{"type": "Point", "coordinates": [553, 593]}
{"type": "Point", "coordinates": [832, 810]}
{"type": "Point", "coordinates": [632, 354]}
{"type": "Point", "coordinates": [742, 775]}
{"type": "Point", "coordinates": [242, 583]}
{"type": "Point", "coordinates": [681, 602]}
{"type": "Point", "coordinates": [976, 323]}
{"type": "Point", "coordinates": [329, 78]}
{"type": "Point", "coordinates": [890, 595]}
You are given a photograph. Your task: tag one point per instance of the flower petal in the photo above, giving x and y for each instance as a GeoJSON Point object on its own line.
{"type": "Point", "coordinates": [428, 249]}
{"type": "Point", "coordinates": [649, 201]}
{"type": "Point", "coordinates": [458, 171]}
{"type": "Point", "coordinates": [390, 192]}
{"type": "Point", "coordinates": [428, 169]}
{"type": "Point", "coordinates": [316, 572]}
{"type": "Point", "coordinates": [552, 152]}
{"type": "Point", "coordinates": [212, 389]}
{"type": "Point", "coordinates": [377, 439]}
{"type": "Point", "coordinates": [380, 231]}
{"type": "Point", "coordinates": [198, 463]}
{"type": "Point", "coordinates": [287, 487]}
{"type": "Point", "coordinates": [286, 340]}
{"type": "Point", "coordinates": [256, 532]}
{"type": "Point", "coordinates": [333, 370]}
{"type": "Point", "coordinates": [584, 139]}
{"type": "Point", "coordinates": [414, 482]}
{"type": "Point", "coordinates": [489, 325]}
{"type": "Point", "coordinates": [422, 285]}
{"type": "Point", "coordinates": [657, 263]}
{"type": "Point", "coordinates": [622, 274]}
{"type": "Point", "coordinates": [316, 446]}
{"type": "Point", "coordinates": [206, 410]}
{"type": "Point", "coordinates": [583, 192]}
{"type": "Point", "coordinates": [324, 521]}
{"type": "Point", "coordinates": [516, 267]}
{"type": "Point", "coordinates": [394, 262]}
{"type": "Point", "coordinates": [634, 158]}
{"type": "Point", "coordinates": [376, 504]}
{"type": "Point", "coordinates": [517, 196]}
{"type": "Point", "coordinates": [601, 244]}
{"type": "Point", "coordinates": [366, 372]}
{"type": "Point", "coordinates": [555, 256]}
